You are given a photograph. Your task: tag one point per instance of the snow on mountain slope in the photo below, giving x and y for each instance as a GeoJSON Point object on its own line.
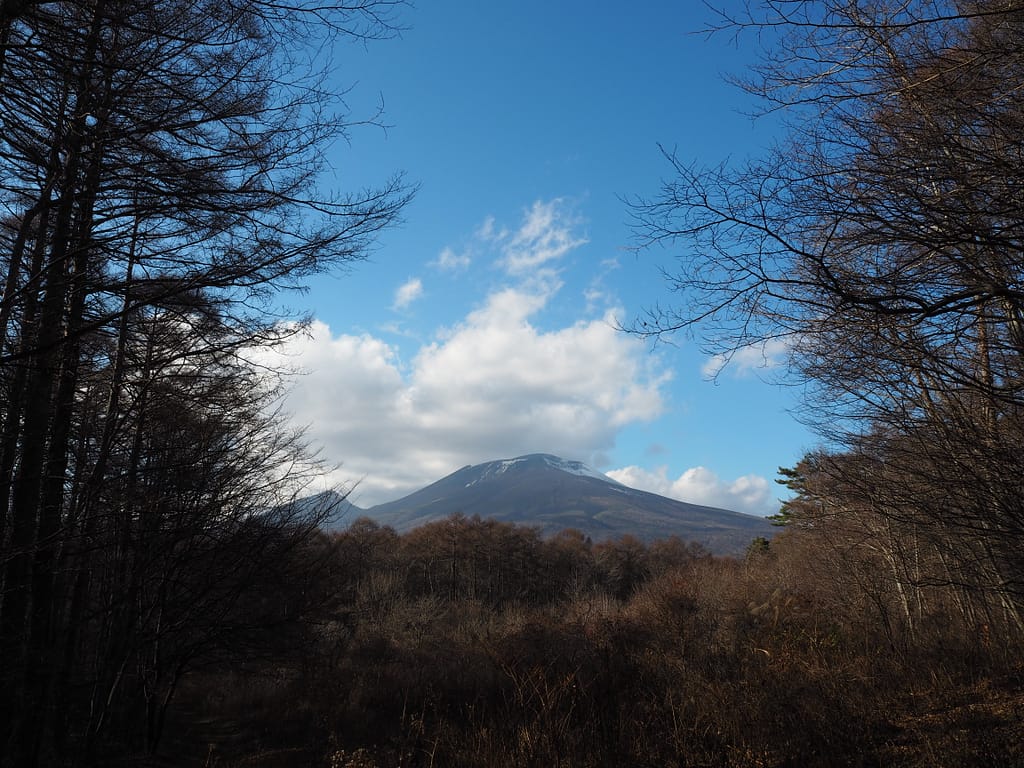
{"type": "Point", "coordinates": [492, 469]}
{"type": "Point", "coordinates": [554, 494]}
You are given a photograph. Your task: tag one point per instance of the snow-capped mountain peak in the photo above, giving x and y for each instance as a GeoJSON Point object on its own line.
{"type": "Point", "coordinates": [493, 469]}
{"type": "Point", "coordinates": [552, 493]}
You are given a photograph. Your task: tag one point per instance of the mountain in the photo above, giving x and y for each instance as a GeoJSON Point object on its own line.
{"type": "Point", "coordinates": [335, 510]}
{"type": "Point", "coordinates": [550, 492]}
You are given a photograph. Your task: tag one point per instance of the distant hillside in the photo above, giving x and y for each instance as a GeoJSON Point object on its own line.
{"type": "Point", "coordinates": [336, 510]}
{"type": "Point", "coordinates": [550, 492]}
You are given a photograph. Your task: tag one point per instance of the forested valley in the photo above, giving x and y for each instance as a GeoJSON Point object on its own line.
{"type": "Point", "coordinates": [168, 595]}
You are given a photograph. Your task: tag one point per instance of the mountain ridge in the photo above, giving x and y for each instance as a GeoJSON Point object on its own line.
{"type": "Point", "coordinates": [545, 490]}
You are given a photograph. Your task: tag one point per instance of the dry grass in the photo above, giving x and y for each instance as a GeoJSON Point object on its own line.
{"type": "Point", "coordinates": [707, 663]}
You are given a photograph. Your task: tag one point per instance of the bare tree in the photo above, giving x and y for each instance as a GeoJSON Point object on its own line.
{"type": "Point", "coordinates": [883, 241]}
{"type": "Point", "coordinates": [160, 168]}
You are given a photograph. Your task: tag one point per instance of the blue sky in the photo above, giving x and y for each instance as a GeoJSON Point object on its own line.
{"type": "Point", "coordinates": [483, 327]}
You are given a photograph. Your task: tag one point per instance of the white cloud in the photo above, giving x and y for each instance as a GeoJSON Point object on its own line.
{"type": "Point", "coordinates": [450, 261]}
{"type": "Point", "coordinates": [407, 293]}
{"type": "Point", "coordinates": [488, 231]}
{"type": "Point", "coordinates": [528, 254]}
{"type": "Point", "coordinates": [747, 360]}
{"type": "Point", "coordinates": [596, 293]}
{"type": "Point", "coordinates": [494, 386]}
{"type": "Point", "coordinates": [752, 494]}
{"type": "Point", "coordinates": [545, 236]}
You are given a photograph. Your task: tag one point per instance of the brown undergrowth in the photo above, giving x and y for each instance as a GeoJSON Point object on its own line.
{"type": "Point", "coordinates": [703, 662]}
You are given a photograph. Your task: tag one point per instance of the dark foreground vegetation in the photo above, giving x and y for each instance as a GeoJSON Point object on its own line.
{"type": "Point", "coordinates": [476, 643]}
{"type": "Point", "coordinates": [159, 188]}
{"type": "Point", "coordinates": [164, 600]}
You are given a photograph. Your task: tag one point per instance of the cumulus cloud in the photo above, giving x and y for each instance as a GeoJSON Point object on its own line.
{"type": "Point", "coordinates": [752, 494]}
{"type": "Point", "coordinates": [407, 293]}
{"type": "Point", "coordinates": [494, 386]}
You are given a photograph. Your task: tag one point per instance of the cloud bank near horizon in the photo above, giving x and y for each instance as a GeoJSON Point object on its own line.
{"type": "Point", "coordinates": [698, 485]}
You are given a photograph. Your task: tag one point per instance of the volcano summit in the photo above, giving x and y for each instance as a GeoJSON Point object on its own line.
{"type": "Point", "coordinates": [547, 491]}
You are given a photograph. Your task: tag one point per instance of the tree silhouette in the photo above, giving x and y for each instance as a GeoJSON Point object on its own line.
{"type": "Point", "coordinates": [881, 243]}
{"type": "Point", "coordinates": [160, 172]}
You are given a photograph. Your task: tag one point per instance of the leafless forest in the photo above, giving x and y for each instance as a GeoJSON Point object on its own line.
{"type": "Point", "coordinates": [167, 601]}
